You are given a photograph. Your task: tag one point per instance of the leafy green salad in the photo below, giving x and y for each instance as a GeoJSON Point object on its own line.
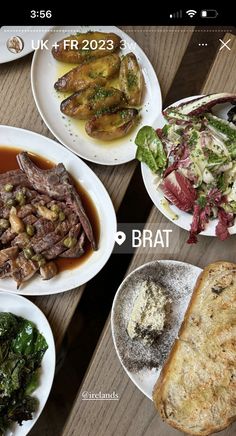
{"type": "Point", "coordinates": [22, 348]}
{"type": "Point", "coordinates": [194, 155]}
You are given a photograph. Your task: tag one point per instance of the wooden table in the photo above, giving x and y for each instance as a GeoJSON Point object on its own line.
{"type": "Point", "coordinates": [170, 51]}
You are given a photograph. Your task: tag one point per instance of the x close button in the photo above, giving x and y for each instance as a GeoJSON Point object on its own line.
{"type": "Point", "coordinates": [225, 45]}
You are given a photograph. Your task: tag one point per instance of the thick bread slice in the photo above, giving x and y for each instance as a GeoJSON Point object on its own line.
{"type": "Point", "coordinates": [196, 391]}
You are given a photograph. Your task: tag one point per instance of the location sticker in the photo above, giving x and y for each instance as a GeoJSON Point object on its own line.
{"type": "Point", "coordinates": [120, 237]}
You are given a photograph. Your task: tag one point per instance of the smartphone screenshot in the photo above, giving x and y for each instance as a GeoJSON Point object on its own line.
{"type": "Point", "coordinates": [117, 222]}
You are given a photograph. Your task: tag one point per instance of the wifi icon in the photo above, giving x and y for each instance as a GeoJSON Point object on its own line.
{"type": "Point", "coordinates": [191, 13]}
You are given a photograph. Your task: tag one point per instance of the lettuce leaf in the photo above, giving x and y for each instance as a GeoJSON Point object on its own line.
{"type": "Point", "coordinates": [150, 149]}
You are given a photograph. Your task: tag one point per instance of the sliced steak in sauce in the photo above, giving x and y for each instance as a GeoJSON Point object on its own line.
{"type": "Point", "coordinates": [5, 211]}
{"type": "Point", "coordinates": [23, 269]}
{"type": "Point", "coordinates": [5, 270]}
{"type": "Point", "coordinates": [56, 183]}
{"type": "Point", "coordinates": [47, 188]}
{"type": "Point", "coordinates": [75, 202]}
{"type": "Point", "coordinates": [22, 240]}
{"type": "Point", "coordinates": [40, 244]}
{"type": "Point", "coordinates": [78, 249]}
{"type": "Point", "coordinates": [7, 236]}
{"type": "Point", "coordinates": [30, 219]}
{"type": "Point", "coordinates": [43, 227]}
{"type": "Point", "coordinates": [15, 178]}
{"type": "Point", "coordinates": [24, 211]}
{"type": "Point", "coordinates": [59, 248]}
{"type": "Point", "coordinates": [48, 271]}
{"type": "Point", "coordinates": [8, 253]}
{"type": "Point", "coordinates": [55, 250]}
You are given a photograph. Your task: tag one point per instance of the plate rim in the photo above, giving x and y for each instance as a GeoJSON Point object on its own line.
{"type": "Point", "coordinates": [112, 219]}
{"type": "Point", "coordinates": [52, 130]}
{"type": "Point", "coordinates": [37, 310]}
{"type": "Point", "coordinates": [152, 262]}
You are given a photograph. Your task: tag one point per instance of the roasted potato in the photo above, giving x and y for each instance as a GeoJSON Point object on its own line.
{"type": "Point", "coordinates": [131, 79]}
{"type": "Point", "coordinates": [94, 72]}
{"type": "Point", "coordinates": [79, 48]}
{"type": "Point", "coordinates": [112, 125]}
{"type": "Point", "coordinates": [87, 102]}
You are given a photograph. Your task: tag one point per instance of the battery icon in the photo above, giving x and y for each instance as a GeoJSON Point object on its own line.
{"type": "Point", "coordinates": [209, 13]}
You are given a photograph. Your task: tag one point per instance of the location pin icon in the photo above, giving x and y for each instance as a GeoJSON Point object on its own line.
{"type": "Point", "coordinates": [120, 237]}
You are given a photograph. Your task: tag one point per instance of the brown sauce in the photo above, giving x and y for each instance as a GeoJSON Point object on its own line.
{"type": "Point", "coordinates": [8, 162]}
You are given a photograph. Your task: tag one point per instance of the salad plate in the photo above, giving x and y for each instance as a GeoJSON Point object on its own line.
{"type": "Point", "coordinates": [21, 307]}
{"type": "Point", "coordinates": [204, 167]}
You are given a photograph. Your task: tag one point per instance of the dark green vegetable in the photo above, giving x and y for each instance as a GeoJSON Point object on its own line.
{"type": "Point", "coordinates": [223, 126]}
{"type": "Point", "coordinates": [150, 149]}
{"type": "Point", "coordinates": [22, 348]}
{"type": "Point", "coordinates": [202, 201]}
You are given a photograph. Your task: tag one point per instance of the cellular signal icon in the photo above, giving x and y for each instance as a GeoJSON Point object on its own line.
{"type": "Point", "coordinates": [177, 14]}
{"type": "Point", "coordinates": [191, 13]}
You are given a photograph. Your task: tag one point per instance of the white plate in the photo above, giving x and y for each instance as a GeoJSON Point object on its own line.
{"type": "Point", "coordinates": [178, 280]}
{"type": "Point", "coordinates": [44, 73]}
{"type": "Point", "coordinates": [29, 141]}
{"type": "Point", "coordinates": [185, 219]}
{"type": "Point", "coordinates": [28, 34]}
{"type": "Point", "coordinates": [20, 306]}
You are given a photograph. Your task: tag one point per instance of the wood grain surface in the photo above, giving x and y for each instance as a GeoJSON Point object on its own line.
{"type": "Point", "coordinates": [134, 414]}
{"type": "Point", "coordinates": [18, 109]}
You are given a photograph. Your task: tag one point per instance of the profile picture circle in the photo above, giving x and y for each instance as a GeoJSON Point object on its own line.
{"type": "Point", "coordinates": [15, 44]}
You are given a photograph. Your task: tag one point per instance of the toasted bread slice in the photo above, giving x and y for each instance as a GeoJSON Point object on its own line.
{"type": "Point", "coordinates": [196, 391]}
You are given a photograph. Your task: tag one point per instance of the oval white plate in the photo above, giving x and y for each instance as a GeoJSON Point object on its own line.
{"type": "Point", "coordinates": [20, 306]}
{"type": "Point", "coordinates": [66, 280]}
{"type": "Point", "coordinates": [185, 219]}
{"type": "Point", "coordinates": [44, 74]}
{"type": "Point", "coordinates": [26, 33]}
{"type": "Point", "coordinates": [178, 279]}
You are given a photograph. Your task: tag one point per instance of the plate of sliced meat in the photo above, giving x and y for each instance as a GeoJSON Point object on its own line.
{"type": "Point", "coordinates": [57, 222]}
